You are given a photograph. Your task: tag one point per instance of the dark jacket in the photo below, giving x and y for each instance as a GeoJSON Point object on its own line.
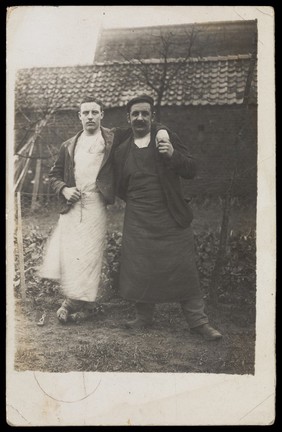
{"type": "Point", "coordinates": [170, 171]}
{"type": "Point", "coordinates": [62, 172]}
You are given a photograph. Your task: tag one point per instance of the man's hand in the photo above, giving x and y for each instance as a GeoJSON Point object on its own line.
{"type": "Point", "coordinates": [166, 149]}
{"type": "Point", "coordinates": [163, 143]}
{"type": "Point", "coordinates": [71, 194]}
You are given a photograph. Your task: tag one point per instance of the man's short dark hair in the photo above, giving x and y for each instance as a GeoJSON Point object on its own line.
{"type": "Point", "coordinates": [138, 99]}
{"type": "Point", "coordinates": [89, 99]}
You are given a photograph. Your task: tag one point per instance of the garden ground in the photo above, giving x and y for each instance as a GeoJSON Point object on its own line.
{"type": "Point", "coordinates": [103, 344]}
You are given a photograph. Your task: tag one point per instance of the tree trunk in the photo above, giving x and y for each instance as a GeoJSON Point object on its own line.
{"type": "Point", "coordinates": [158, 113]}
{"type": "Point", "coordinates": [221, 248]}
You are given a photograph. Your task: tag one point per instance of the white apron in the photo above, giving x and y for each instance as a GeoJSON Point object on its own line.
{"type": "Point", "coordinates": [75, 250]}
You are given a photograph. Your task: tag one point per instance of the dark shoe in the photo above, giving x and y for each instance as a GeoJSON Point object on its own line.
{"type": "Point", "coordinates": [78, 317]}
{"type": "Point", "coordinates": [137, 324]}
{"type": "Point", "coordinates": [144, 317]}
{"type": "Point", "coordinates": [207, 332]}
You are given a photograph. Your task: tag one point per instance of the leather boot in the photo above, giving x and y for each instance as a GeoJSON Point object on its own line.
{"type": "Point", "coordinates": [207, 332]}
{"type": "Point", "coordinates": [144, 317]}
{"type": "Point", "coordinates": [194, 312]}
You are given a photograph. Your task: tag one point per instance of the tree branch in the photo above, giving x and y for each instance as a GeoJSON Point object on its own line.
{"type": "Point", "coordinates": [143, 67]}
{"type": "Point", "coordinates": [164, 72]}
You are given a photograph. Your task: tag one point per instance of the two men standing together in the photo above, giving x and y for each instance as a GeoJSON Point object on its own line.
{"type": "Point", "coordinates": [143, 165]}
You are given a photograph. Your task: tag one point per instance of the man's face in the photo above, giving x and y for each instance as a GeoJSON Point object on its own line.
{"type": "Point", "coordinates": [140, 118]}
{"type": "Point", "coordinates": [90, 115]}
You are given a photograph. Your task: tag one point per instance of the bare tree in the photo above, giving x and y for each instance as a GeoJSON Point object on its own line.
{"type": "Point", "coordinates": [158, 76]}
{"type": "Point", "coordinates": [227, 202]}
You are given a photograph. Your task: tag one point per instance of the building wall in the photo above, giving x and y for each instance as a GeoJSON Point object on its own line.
{"type": "Point", "coordinates": [210, 133]}
{"type": "Point", "coordinates": [210, 39]}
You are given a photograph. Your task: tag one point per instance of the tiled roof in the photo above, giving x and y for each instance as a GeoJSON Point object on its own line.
{"type": "Point", "coordinates": [199, 81]}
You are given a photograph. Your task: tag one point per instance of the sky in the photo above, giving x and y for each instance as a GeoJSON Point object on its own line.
{"type": "Point", "coordinates": [42, 36]}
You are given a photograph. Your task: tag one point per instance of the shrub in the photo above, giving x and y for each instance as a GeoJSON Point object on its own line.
{"type": "Point", "coordinates": [238, 278]}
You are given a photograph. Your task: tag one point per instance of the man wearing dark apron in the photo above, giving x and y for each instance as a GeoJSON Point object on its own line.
{"type": "Point", "coordinates": [157, 259]}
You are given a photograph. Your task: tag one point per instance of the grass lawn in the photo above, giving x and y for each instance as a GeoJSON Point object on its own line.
{"type": "Point", "coordinates": [103, 344]}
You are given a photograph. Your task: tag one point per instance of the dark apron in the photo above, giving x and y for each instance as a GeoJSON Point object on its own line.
{"type": "Point", "coordinates": [157, 258]}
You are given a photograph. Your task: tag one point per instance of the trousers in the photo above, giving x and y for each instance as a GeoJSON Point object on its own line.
{"type": "Point", "coordinates": [193, 311]}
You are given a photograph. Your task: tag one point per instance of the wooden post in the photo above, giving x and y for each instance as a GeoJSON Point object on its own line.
{"type": "Point", "coordinates": [20, 247]}
{"type": "Point", "coordinates": [36, 184]}
{"type": "Point", "coordinates": [23, 171]}
{"type": "Point", "coordinates": [20, 173]}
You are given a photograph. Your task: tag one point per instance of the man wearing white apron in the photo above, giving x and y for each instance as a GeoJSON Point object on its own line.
{"type": "Point", "coordinates": [82, 176]}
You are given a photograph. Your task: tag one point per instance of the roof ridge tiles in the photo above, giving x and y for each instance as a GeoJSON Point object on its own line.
{"type": "Point", "coordinates": [203, 59]}
{"type": "Point", "coordinates": [175, 60]}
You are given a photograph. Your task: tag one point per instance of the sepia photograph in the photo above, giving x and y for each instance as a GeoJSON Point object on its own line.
{"type": "Point", "coordinates": [141, 215]}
